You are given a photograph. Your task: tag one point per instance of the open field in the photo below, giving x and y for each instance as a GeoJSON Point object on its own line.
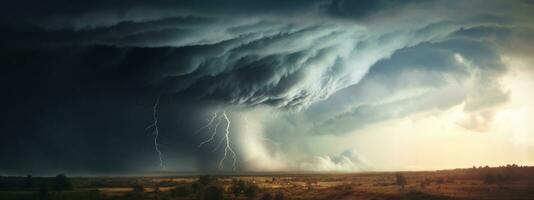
{"type": "Point", "coordinates": [510, 182]}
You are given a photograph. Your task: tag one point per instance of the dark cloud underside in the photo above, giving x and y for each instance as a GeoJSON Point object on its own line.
{"type": "Point", "coordinates": [80, 78]}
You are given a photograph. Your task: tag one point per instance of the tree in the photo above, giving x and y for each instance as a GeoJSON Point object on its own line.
{"type": "Point", "coordinates": [62, 183]}
{"type": "Point", "coordinates": [400, 180]}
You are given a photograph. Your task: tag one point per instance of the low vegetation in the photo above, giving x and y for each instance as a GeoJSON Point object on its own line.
{"type": "Point", "coordinates": [506, 182]}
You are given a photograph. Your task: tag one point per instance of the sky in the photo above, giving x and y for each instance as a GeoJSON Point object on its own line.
{"type": "Point", "coordinates": [125, 87]}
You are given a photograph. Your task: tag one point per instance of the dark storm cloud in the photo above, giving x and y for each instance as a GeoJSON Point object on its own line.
{"type": "Point", "coordinates": [79, 112]}
{"type": "Point", "coordinates": [80, 78]}
{"type": "Point", "coordinates": [428, 69]}
{"type": "Point", "coordinates": [258, 62]}
{"type": "Point", "coordinates": [60, 13]}
{"type": "Point", "coordinates": [75, 91]}
{"type": "Point", "coordinates": [365, 8]}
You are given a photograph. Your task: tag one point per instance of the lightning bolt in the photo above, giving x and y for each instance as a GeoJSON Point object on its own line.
{"type": "Point", "coordinates": [210, 121]}
{"type": "Point", "coordinates": [228, 146]}
{"type": "Point", "coordinates": [155, 131]}
{"type": "Point", "coordinates": [213, 123]}
{"type": "Point", "coordinates": [213, 133]}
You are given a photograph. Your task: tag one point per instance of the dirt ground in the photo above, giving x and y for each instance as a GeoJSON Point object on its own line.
{"type": "Point", "coordinates": [476, 183]}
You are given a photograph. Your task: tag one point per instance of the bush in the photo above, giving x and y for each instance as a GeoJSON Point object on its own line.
{"type": "Point", "coordinates": [195, 188]}
{"type": "Point", "coordinates": [267, 196]}
{"type": "Point", "coordinates": [205, 180]}
{"type": "Point", "coordinates": [251, 190]}
{"type": "Point", "coordinates": [167, 184]}
{"type": "Point", "coordinates": [181, 191]}
{"type": "Point", "coordinates": [61, 182]}
{"type": "Point", "coordinates": [279, 196]}
{"type": "Point", "coordinates": [237, 187]}
{"type": "Point", "coordinates": [400, 180]}
{"type": "Point", "coordinates": [425, 183]}
{"type": "Point", "coordinates": [440, 180]}
{"type": "Point", "coordinates": [42, 194]}
{"type": "Point", "coordinates": [28, 182]}
{"type": "Point", "coordinates": [344, 187]}
{"type": "Point", "coordinates": [212, 193]}
{"type": "Point", "coordinates": [134, 196]}
{"type": "Point", "coordinates": [138, 188]}
{"type": "Point", "coordinates": [493, 178]}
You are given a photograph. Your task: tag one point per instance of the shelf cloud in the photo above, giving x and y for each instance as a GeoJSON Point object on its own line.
{"type": "Point", "coordinates": [325, 67]}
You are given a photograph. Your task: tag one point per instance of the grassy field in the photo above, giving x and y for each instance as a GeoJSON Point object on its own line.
{"type": "Point", "coordinates": [510, 182]}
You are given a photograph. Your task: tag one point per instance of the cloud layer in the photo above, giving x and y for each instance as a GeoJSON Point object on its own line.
{"type": "Point", "coordinates": [330, 67]}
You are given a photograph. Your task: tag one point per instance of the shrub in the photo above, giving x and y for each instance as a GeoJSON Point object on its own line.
{"type": "Point", "coordinates": [279, 196]}
{"type": "Point", "coordinates": [237, 187]}
{"type": "Point", "coordinates": [205, 180]}
{"type": "Point", "coordinates": [61, 182]}
{"type": "Point", "coordinates": [156, 189]}
{"type": "Point", "coordinates": [42, 194]}
{"type": "Point", "coordinates": [181, 191]}
{"type": "Point", "coordinates": [267, 196]}
{"type": "Point", "coordinates": [251, 190]}
{"type": "Point", "coordinates": [134, 195]}
{"type": "Point", "coordinates": [195, 188]}
{"type": "Point", "coordinates": [493, 178]}
{"type": "Point", "coordinates": [28, 182]}
{"type": "Point", "coordinates": [344, 187]}
{"type": "Point", "coordinates": [440, 180]}
{"type": "Point", "coordinates": [167, 184]}
{"type": "Point", "coordinates": [138, 188]}
{"type": "Point", "coordinates": [425, 183]}
{"type": "Point", "coordinates": [212, 193]}
{"type": "Point", "coordinates": [400, 180]}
